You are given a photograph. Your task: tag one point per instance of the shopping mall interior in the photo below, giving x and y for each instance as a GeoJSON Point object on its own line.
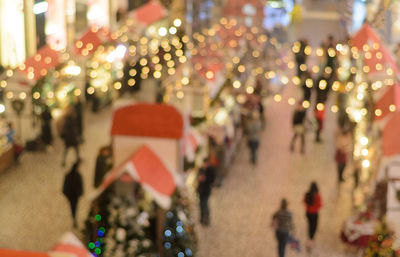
{"type": "Point", "coordinates": [161, 128]}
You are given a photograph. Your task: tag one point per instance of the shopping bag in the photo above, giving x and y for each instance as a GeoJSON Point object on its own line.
{"type": "Point", "coordinates": [294, 244]}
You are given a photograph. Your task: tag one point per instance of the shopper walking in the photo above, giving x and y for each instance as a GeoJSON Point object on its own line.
{"type": "Point", "coordinates": [253, 129]}
{"type": "Point", "coordinates": [205, 181]}
{"type": "Point", "coordinates": [103, 165]}
{"type": "Point", "coordinates": [301, 56]}
{"type": "Point", "coordinates": [313, 203]}
{"type": "Point", "coordinates": [299, 117]}
{"type": "Point", "coordinates": [47, 135]}
{"type": "Point", "coordinates": [282, 222]}
{"type": "Point", "coordinates": [70, 134]}
{"type": "Point", "coordinates": [319, 116]}
{"type": "Point", "coordinates": [73, 189]}
{"type": "Point", "coordinates": [79, 117]}
{"type": "Point", "coordinates": [343, 141]}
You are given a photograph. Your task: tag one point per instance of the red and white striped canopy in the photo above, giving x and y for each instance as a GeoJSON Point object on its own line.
{"type": "Point", "coordinates": [146, 168]}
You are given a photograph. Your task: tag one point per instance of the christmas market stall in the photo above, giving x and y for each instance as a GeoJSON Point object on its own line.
{"type": "Point", "coordinates": [69, 245]}
{"type": "Point", "coordinates": [141, 204]}
{"type": "Point", "coordinates": [18, 90]}
{"type": "Point", "coordinates": [102, 62]}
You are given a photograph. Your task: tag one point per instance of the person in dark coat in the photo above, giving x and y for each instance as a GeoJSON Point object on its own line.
{"type": "Point", "coordinates": [47, 135]}
{"type": "Point", "coordinates": [73, 188]}
{"type": "Point", "coordinates": [306, 90]}
{"type": "Point", "coordinates": [103, 165]}
{"type": "Point", "coordinates": [301, 57]}
{"type": "Point", "coordinates": [299, 117]}
{"type": "Point", "coordinates": [70, 135]}
{"type": "Point", "coordinates": [79, 116]}
{"type": "Point", "coordinates": [205, 180]}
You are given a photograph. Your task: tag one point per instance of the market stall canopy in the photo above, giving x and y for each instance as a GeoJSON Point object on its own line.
{"type": "Point", "coordinates": [388, 103]}
{"type": "Point", "coordinates": [145, 167]}
{"type": "Point", "coordinates": [149, 13]}
{"type": "Point", "coordinates": [37, 66]}
{"type": "Point", "coordinates": [390, 136]}
{"type": "Point", "coordinates": [70, 245]}
{"type": "Point", "coordinates": [148, 120]}
{"type": "Point", "coordinates": [191, 141]}
{"type": "Point", "coordinates": [377, 55]}
{"type": "Point", "coordinates": [17, 253]}
{"type": "Point", "coordinates": [91, 40]}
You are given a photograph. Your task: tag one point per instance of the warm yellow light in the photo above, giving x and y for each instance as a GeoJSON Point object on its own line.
{"type": "Point", "coordinates": [277, 98]}
{"type": "Point", "coordinates": [182, 59]}
{"type": "Point", "coordinates": [378, 66]}
{"type": "Point", "coordinates": [241, 68]}
{"type": "Point", "coordinates": [366, 163]}
{"type": "Point", "coordinates": [157, 74]}
{"type": "Point", "coordinates": [90, 91]}
{"type": "Point", "coordinates": [170, 63]}
{"type": "Point", "coordinates": [303, 67]}
{"type": "Point", "coordinates": [250, 90]}
{"type": "Point", "coordinates": [291, 65]}
{"type": "Point", "coordinates": [334, 108]}
{"type": "Point", "coordinates": [171, 71]}
{"type": "Point", "coordinates": [315, 69]}
{"type": "Point", "coordinates": [328, 70]}
{"type": "Point", "coordinates": [3, 84]}
{"type": "Point", "coordinates": [378, 112]}
{"type": "Point", "coordinates": [284, 80]}
{"type": "Point", "coordinates": [131, 82]}
{"type": "Point", "coordinates": [320, 52]}
{"type": "Point", "coordinates": [291, 101]}
{"type": "Point", "coordinates": [389, 71]}
{"type": "Point", "coordinates": [331, 52]}
{"type": "Point", "coordinates": [50, 94]}
{"type": "Point", "coordinates": [22, 95]}
{"type": "Point", "coordinates": [336, 86]}
{"type": "Point", "coordinates": [366, 48]}
{"type": "Point", "coordinates": [392, 108]}
{"type": "Point", "coordinates": [210, 75]}
{"type": "Point", "coordinates": [36, 95]}
{"type": "Point", "coordinates": [180, 94]}
{"type": "Point", "coordinates": [364, 152]}
{"type": "Point", "coordinates": [235, 60]}
{"type": "Point", "coordinates": [145, 70]}
{"type": "Point", "coordinates": [306, 104]}
{"type": "Point", "coordinates": [320, 106]}
{"type": "Point", "coordinates": [296, 80]}
{"type": "Point", "coordinates": [117, 85]}
{"type": "Point", "coordinates": [364, 111]}
{"type": "Point", "coordinates": [379, 55]}
{"type": "Point", "coordinates": [77, 92]}
{"type": "Point", "coordinates": [322, 84]}
{"type": "Point", "coordinates": [308, 50]}
{"type": "Point", "coordinates": [185, 80]}
{"type": "Point", "coordinates": [256, 54]}
{"type": "Point", "coordinates": [368, 55]}
{"type": "Point", "coordinates": [237, 84]}
{"type": "Point", "coordinates": [309, 83]}
{"type": "Point", "coordinates": [364, 141]}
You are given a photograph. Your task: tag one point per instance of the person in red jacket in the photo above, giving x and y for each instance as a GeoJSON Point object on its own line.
{"type": "Point", "coordinates": [313, 203]}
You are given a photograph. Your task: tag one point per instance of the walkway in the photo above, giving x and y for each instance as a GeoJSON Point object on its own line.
{"type": "Point", "coordinates": [242, 208]}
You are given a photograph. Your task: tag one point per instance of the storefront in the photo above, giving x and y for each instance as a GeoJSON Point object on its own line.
{"type": "Point", "coordinates": [12, 38]}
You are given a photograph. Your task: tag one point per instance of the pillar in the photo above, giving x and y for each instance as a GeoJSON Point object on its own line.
{"type": "Point", "coordinates": [30, 28]}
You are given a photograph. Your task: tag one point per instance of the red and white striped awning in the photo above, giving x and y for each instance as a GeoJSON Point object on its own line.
{"type": "Point", "coordinates": [146, 168]}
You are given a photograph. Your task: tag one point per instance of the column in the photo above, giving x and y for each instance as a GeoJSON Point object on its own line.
{"type": "Point", "coordinates": [30, 28]}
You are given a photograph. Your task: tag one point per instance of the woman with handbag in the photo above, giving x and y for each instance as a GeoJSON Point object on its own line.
{"type": "Point", "coordinates": [313, 203]}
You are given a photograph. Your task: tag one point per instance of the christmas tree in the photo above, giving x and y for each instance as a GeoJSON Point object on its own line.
{"type": "Point", "coordinates": [382, 245]}
{"type": "Point", "coordinates": [179, 237]}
